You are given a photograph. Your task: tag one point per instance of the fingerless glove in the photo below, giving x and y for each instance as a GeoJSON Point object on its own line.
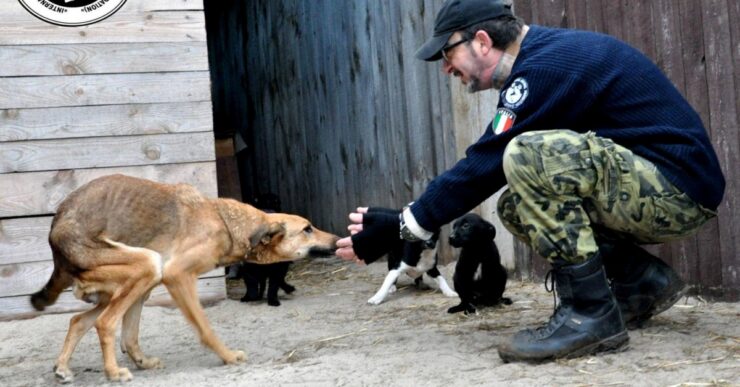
{"type": "Point", "coordinates": [380, 230]}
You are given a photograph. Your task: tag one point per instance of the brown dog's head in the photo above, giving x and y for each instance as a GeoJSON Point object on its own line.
{"type": "Point", "coordinates": [288, 237]}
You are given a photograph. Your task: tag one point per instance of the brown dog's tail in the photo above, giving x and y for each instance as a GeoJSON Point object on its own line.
{"type": "Point", "coordinates": [60, 280]}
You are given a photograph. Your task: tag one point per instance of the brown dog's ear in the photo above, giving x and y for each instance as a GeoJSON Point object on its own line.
{"type": "Point", "coordinates": [267, 233]}
{"type": "Point", "coordinates": [275, 233]}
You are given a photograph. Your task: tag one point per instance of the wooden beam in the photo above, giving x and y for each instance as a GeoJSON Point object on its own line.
{"type": "Point", "coordinates": [122, 27]}
{"type": "Point", "coordinates": [104, 58]}
{"type": "Point", "coordinates": [39, 193]}
{"type": "Point", "coordinates": [109, 120]}
{"type": "Point", "coordinates": [97, 152]}
{"type": "Point", "coordinates": [56, 91]}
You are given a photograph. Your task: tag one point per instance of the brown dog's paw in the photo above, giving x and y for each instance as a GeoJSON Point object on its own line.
{"type": "Point", "coordinates": [235, 357]}
{"type": "Point", "coordinates": [119, 375]}
{"type": "Point", "coordinates": [64, 375]}
{"type": "Point", "coordinates": [148, 363]}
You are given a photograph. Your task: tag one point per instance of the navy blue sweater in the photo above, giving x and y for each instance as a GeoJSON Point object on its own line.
{"type": "Point", "coordinates": [583, 81]}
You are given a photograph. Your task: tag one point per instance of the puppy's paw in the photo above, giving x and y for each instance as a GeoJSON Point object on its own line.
{"type": "Point", "coordinates": [287, 288]}
{"type": "Point", "coordinates": [465, 307]}
{"type": "Point", "coordinates": [250, 298]}
{"type": "Point", "coordinates": [456, 309]}
{"type": "Point", "coordinates": [376, 300]}
{"type": "Point", "coordinates": [470, 309]}
{"type": "Point", "coordinates": [450, 293]}
{"type": "Point", "coordinates": [392, 289]}
{"type": "Point", "coordinates": [274, 302]}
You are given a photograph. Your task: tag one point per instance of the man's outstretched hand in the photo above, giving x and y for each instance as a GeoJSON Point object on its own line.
{"type": "Point", "coordinates": [372, 234]}
{"type": "Point", "coordinates": [345, 248]}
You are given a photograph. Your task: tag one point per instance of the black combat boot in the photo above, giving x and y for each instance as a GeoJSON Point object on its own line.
{"type": "Point", "coordinates": [642, 284]}
{"type": "Point", "coordinates": [586, 321]}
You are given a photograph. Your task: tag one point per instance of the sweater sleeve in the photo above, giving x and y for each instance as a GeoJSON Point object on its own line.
{"type": "Point", "coordinates": [554, 100]}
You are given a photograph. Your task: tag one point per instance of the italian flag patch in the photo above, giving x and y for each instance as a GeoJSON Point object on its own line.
{"type": "Point", "coordinates": [503, 121]}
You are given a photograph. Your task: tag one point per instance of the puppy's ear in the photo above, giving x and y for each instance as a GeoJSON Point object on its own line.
{"type": "Point", "coordinates": [266, 234]}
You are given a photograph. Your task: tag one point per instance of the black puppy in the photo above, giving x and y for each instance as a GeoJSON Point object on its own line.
{"type": "Point", "coordinates": [255, 278]}
{"type": "Point", "coordinates": [479, 252]}
{"type": "Point", "coordinates": [416, 259]}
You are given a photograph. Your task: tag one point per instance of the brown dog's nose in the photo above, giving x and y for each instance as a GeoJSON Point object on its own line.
{"type": "Point", "coordinates": [334, 241]}
{"type": "Point", "coordinates": [325, 250]}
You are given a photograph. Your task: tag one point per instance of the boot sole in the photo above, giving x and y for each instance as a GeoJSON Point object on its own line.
{"type": "Point", "coordinates": [614, 344]}
{"type": "Point", "coordinates": [658, 307]}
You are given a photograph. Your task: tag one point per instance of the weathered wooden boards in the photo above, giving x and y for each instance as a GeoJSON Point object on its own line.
{"type": "Point", "coordinates": [130, 94]}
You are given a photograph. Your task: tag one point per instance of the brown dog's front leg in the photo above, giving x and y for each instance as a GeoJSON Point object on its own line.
{"type": "Point", "coordinates": [183, 289]}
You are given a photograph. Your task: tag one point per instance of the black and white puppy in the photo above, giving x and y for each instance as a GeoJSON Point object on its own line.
{"type": "Point", "coordinates": [479, 278]}
{"type": "Point", "coordinates": [416, 260]}
{"type": "Point", "coordinates": [256, 278]}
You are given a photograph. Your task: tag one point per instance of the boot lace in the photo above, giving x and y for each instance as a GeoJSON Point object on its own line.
{"type": "Point", "coordinates": [558, 312]}
{"type": "Point", "coordinates": [550, 280]}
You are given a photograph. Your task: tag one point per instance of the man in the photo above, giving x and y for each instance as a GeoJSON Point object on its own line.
{"type": "Point", "coordinates": [600, 153]}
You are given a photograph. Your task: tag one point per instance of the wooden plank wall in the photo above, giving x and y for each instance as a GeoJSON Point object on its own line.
{"type": "Point", "coordinates": [697, 44]}
{"type": "Point", "coordinates": [342, 113]}
{"type": "Point", "coordinates": [127, 95]}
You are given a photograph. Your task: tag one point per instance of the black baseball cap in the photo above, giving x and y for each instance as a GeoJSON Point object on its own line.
{"type": "Point", "coordinates": [457, 15]}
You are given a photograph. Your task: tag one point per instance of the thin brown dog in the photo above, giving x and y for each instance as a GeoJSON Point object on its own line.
{"type": "Point", "coordinates": [118, 237]}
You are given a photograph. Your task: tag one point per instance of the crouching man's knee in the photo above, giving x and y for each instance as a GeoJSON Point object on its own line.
{"type": "Point", "coordinates": [506, 210]}
{"type": "Point", "coordinates": [526, 154]}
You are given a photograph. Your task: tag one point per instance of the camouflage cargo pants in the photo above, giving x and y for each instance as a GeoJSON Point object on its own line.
{"type": "Point", "coordinates": [569, 190]}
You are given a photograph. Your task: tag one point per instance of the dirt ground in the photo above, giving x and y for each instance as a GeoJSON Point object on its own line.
{"type": "Point", "coordinates": [326, 335]}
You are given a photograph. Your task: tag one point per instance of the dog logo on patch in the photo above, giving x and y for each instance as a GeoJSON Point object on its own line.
{"type": "Point", "coordinates": [515, 95]}
{"type": "Point", "coordinates": [503, 121]}
{"type": "Point", "coordinates": [72, 13]}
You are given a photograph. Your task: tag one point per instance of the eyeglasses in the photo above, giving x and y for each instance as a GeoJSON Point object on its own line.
{"type": "Point", "coordinates": [448, 47]}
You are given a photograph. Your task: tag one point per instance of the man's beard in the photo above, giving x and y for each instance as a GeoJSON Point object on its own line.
{"type": "Point", "coordinates": [474, 85]}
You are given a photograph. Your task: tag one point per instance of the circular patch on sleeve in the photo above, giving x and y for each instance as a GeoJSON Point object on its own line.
{"type": "Point", "coordinates": [516, 93]}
